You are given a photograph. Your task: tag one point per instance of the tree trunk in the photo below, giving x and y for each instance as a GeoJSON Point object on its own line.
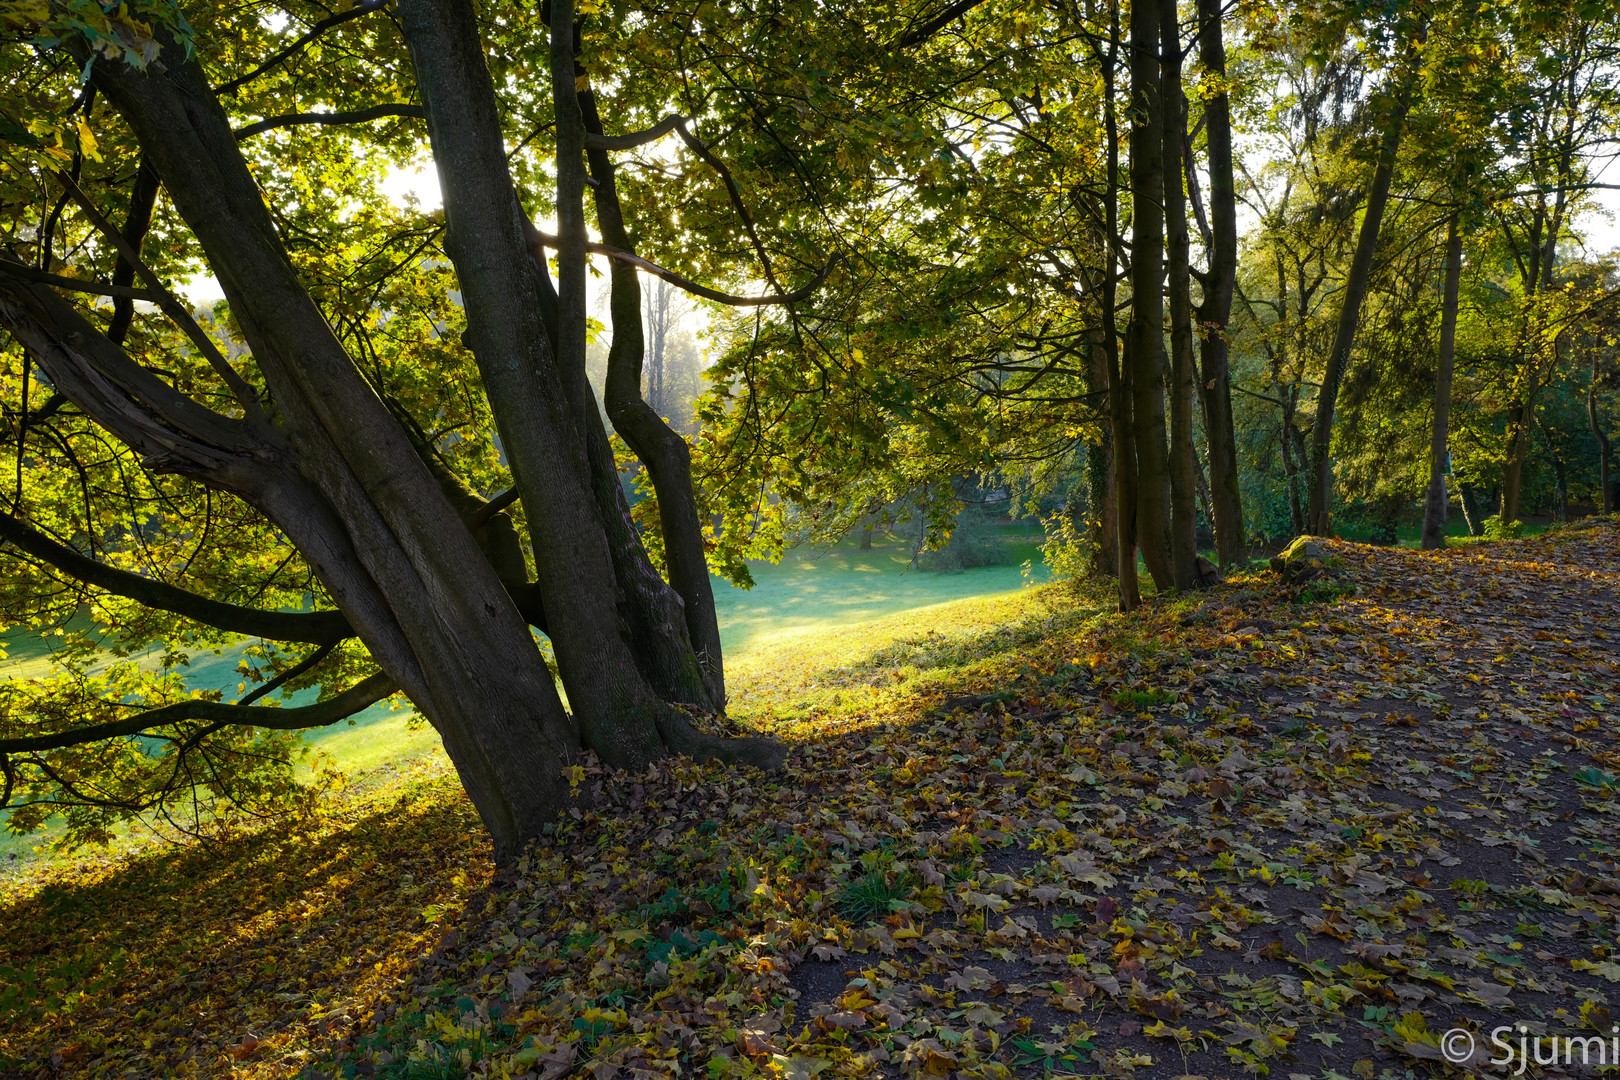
{"type": "Point", "coordinates": [662, 449]}
{"type": "Point", "coordinates": [1318, 519]}
{"type": "Point", "coordinates": [1434, 508]}
{"type": "Point", "coordinates": [1520, 419]}
{"type": "Point", "coordinates": [1215, 313]}
{"type": "Point", "coordinates": [1104, 524]}
{"type": "Point", "coordinates": [1145, 350]}
{"type": "Point", "coordinates": [374, 524]}
{"type": "Point", "coordinates": [1470, 508]}
{"type": "Point", "coordinates": [1183, 462]}
{"type": "Point", "coordinates": [1118, 373]}
{"type": "Point", "coordinates": [542, 405]}
{"type": "Point", "coordinates": [866, 538]}
{"type": "Point", "coordinates": [1605, 450]}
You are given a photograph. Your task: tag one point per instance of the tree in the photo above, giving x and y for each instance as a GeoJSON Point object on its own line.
{"type": "Point", "coordinates": [309, 445]}
{"type": "Point", "coordinates": [1434, 506]}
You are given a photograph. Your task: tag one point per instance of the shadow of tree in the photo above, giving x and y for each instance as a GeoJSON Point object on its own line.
{"type": "Point", "coordinates": [249, 953]}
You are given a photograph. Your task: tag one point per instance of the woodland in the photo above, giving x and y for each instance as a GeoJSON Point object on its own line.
{"type": "Point", "coordinates": [1292, 327]}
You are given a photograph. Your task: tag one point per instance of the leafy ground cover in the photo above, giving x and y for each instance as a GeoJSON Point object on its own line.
{"type": "Point", "coordinates": [1258, 831]}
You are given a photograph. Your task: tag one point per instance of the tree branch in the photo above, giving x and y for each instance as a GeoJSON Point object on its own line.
{"type": "Point", "coordinates": [733, 192]}
{"type": "Point", "coordinates": [171, 431]}
{"type": "Point", "coordinates": [291, 673]}
{"type": "Point", "coordinates": [365, 7]}
{"type": "Point", "coordinates": [168, 302]}
{"type": "Point", "coordinates": [920, 34]}
{"type": "Point", "coordinates": [480, 517]}
{"type": "Point", "coordinates": [635, 139]}
{"type": "Point", "coordinates": [361, 695]}
{"type": "Point", "coordinates": [95, 288]}
{"type": "Point", "coordinates": [313, 627]}
{"type": "Point", "coordinates": [538, 240]}
{"type": "Point", "coordinates": [356, 116]}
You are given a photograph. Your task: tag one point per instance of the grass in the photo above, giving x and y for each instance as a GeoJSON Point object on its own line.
{"type": "Point", "coordinates": [819, 619]}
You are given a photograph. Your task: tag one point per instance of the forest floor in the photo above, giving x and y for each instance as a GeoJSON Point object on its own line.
{"type": "Point", "coordinates": [1252, 831]}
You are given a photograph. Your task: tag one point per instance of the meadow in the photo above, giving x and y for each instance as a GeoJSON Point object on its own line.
{"type": "Point", "coordinates": [788, 642]}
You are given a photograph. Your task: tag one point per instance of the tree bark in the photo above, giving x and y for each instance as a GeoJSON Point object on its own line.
{"type": "Point", "coordinates": [1146, 346]}
{"type": "Point", "coordinates": [1434, 508]}
{"type": "Point", "coordinates": [1118, 373]}
{"type": "Point", "coordinates": [1320, 478]}
{"type": "Point", "coordinates": [1605, 448]}
{"type": "Point", "coordinates": [1215, 313]}
{"type": "Point", "coordinates": [1183, 462]}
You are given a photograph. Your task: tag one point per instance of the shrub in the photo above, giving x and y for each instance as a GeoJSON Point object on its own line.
{"type": "Point", "coordinates": [1497, 529]}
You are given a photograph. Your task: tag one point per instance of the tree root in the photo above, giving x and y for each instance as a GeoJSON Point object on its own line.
{"type": "Point", "coordinates": [682, 738]}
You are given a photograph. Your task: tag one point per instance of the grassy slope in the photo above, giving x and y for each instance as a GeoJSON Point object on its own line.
{"type": "Point", "coordinates": [815, 609]}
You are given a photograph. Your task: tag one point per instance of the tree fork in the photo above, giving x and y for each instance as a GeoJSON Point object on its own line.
{"type": "Point", "coordinates": [661, 449]}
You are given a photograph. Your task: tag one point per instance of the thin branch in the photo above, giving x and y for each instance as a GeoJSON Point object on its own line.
{"type": "Point", "coordinates": [356, 116]}
{"type": "Point", "coordinates": [314, 627]}
{"type": "Point", "coordinates": [361, 695]}
{"type": "Point", "coordinates": [538, 239]}
{"type": "Point", "coordinates": [291, 673]}
{"type": "Point", "coordinates": [365, 7]}
{"type": "Point", "coordinates": [634, 139]}
{"type": "Point", "coordinates": [733, 192]}
{"type": "Point", "coordinates": [168, 302]}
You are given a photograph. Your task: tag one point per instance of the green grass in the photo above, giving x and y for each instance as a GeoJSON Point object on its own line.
{"type": "Point", "coordinates": [824, 629]}
{"type": "Point", "coordinates": [830, 588]}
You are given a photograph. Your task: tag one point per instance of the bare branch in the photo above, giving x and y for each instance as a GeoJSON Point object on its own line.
{"type": "Point", "coordinates": [634, 139]}
{"type": "Point", "coordinates": [166, 300]}
{"type": "Point", "coordinates": [356, 116]}
{"type": "Point", "coordinates": [361, 695]}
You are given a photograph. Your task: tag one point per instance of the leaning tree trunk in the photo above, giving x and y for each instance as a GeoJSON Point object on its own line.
{"type": "Point", "coordinates": [1215, 313]}
{"type": "Point", "coordinates": [351, 492]}
{"type": "Point", "coordinates": [1434, 507]}
{"type": "Point", "coordinates": [1146, 348]}
{"type": "Point", "coordinates": [1320, 476]}
{"type": "Point", "coordinates": [1183, 460]}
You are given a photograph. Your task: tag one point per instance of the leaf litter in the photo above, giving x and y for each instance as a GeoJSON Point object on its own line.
{"type": "Point", "coordinates": [1263, 830]}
